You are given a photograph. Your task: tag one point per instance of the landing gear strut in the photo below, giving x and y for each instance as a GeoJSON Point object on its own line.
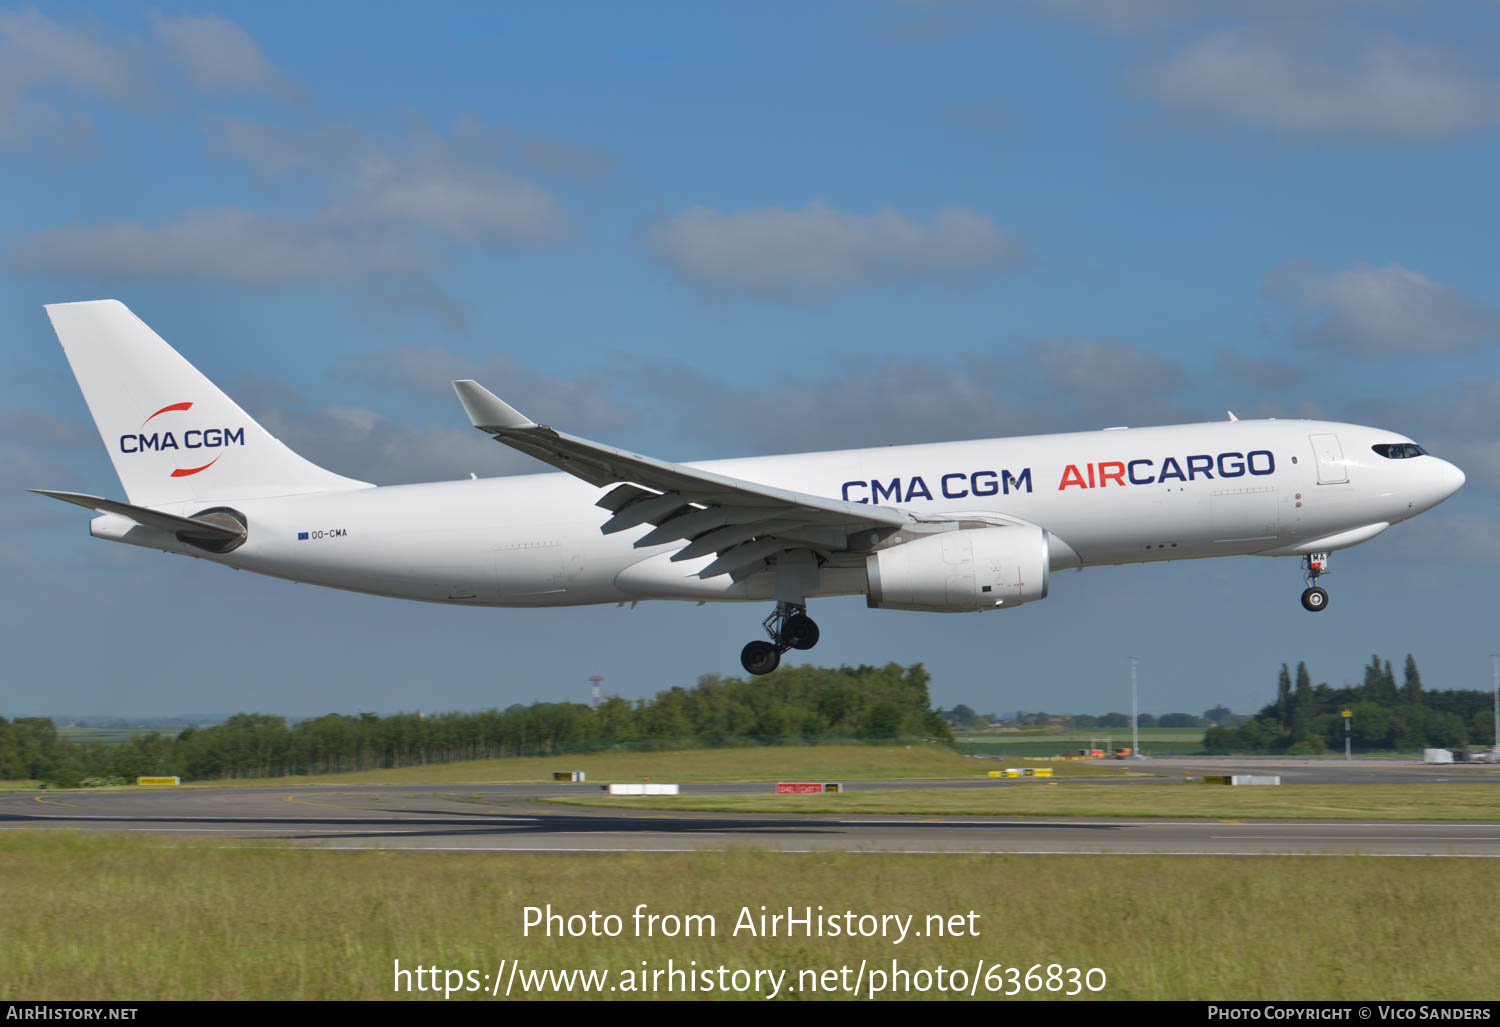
{"type": "Point", "coordinates": [790, 628]}
{"type": "Point", "coordinates": [1314, 599]}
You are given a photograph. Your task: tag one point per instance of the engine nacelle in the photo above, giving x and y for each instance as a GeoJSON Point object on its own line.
{"type": "Point", "coordinates": [961, 571]}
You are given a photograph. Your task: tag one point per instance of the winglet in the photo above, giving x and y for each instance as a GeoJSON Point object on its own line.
{"type": "Point", "coordinates": [486, 411]}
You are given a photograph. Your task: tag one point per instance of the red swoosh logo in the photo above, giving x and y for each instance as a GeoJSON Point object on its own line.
{"type": "Point", "coordinates": [166, 409]}
{"type": "Point", "coordinates": [183, 472]}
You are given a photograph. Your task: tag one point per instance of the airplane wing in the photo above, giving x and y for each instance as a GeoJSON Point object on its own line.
{"type": "Point", "coordinates": [742, 522]}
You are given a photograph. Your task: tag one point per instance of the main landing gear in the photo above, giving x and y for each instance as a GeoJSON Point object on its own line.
{"type": "Point", "coordinates": [1314, 599]}
{"type": "Point", "coordinates": [790, 628]}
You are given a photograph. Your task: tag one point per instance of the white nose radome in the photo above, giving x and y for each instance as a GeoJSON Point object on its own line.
{"type": "Point", "coordinates": [1452, 478]}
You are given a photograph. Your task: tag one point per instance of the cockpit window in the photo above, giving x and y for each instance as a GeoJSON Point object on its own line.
{"type": "Point", "coordinates": [1398, 450]}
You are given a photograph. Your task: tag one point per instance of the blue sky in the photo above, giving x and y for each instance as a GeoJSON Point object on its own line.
{"type": "Point", "coordinates": [703, 230]}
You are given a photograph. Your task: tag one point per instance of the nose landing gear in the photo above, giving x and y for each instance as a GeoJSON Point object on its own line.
{"type": "Point", "coordinates": [790, 628]}
{"type": "Point", "coordinates": [1314, 599]}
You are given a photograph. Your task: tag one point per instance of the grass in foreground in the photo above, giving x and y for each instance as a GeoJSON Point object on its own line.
{"type": "Point", "coordinates": [1037, 798]}
{"type": "Point", "coordinates": [758, 763]}
{"type": "Point", "coordinates": [91, 916]}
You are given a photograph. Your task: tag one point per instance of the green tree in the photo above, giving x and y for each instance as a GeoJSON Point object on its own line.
{"type": "Point", "coordinates": [1411, 688]}
{"type": "Point", "coordinates": [883, 720]}
{"type": "Point", "coordinates": [1304, 707]}
{"type": "Point", "coordinates": [1380, 683]}
{"type": "Point", "coordinates": [963, 716]}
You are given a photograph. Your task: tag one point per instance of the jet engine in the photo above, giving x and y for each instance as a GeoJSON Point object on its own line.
{"type": "Point", "coordinates": [961, 571]}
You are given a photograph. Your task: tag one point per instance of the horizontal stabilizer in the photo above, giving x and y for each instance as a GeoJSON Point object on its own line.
{"type": "Point", "coordinates": [198, 529]}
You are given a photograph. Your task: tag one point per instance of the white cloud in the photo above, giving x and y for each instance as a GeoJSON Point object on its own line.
{"type": "Point", "coordinates": [456, 202]}
{"type": "Point", "coordinates": [1258, 373]}
{"type": "Point", "coordinates": [582, 404]}
{"type": "Point", "coordinates": [396, 210]}
{"type": "Point", "coordinates": [38, 53]}
{"type": "Point", "coordinates": [368, 445]}
{"type": "Point", "coordinates": [1383, 90]}
{"type": "Point", "coordinates": [227, 243]}
{"type": "Point", "coordinates": [218, 56]}
{"type": "Point", "coordinates": [558, 157]}
{"type": "Point", "coordinates": [1057, 386]}
{"type": "Point", "coordinates": [48, 67]}
{"type": "Point", "coordinates": [39, 428]}
{"type": "Point", "coordinates": [1448, 538]}
{"type": "Point", "coordinates": [1085, 367]}
{"type": "Point", "coordinates": [818, 250]}
{"type": "Point", "coordinates": [1125, 14]}
{"type": "Point", "coordinates": [35, 49]}
{"type": "Point", "coordinates": [1129, 15]}
{"type": "Point", "coordinates": [1385, 311]}
{"type": "Point", "coordinates": [460, 185]}
{"type": "Point", "coordinates": [365, 444]}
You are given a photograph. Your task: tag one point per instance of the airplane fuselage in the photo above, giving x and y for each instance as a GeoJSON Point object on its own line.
{"type": "Point", "coordinates": [1130, 495]}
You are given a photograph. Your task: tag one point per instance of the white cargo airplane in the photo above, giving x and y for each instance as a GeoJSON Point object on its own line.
{"type": "Point", "coordinates": [948, 527]}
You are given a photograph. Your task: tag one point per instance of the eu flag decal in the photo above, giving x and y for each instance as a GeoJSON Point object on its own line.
{"type": "Point", "coordinates": [301, 536]}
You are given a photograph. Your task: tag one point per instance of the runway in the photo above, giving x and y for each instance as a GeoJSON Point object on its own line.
{"type": "Point", "coordinates": [511, 818]}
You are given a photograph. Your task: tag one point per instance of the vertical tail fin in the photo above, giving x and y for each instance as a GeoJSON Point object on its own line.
{"type": "Point", "coordinates": [171, 434]}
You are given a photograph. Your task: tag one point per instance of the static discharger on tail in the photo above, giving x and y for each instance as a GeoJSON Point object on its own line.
{"type": "Point", "coordinates": [946, 527]}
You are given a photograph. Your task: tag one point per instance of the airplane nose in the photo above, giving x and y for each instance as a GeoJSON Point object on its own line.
{"type": "Point", "coordinates": [1453, 479]}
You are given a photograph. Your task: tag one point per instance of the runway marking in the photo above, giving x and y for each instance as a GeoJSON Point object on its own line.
{"type": "Point", "coordinates": [304, 802]}
{"type": "Point", "coordinates": [201, 830]}
{"type": "Point", "coordinates": [637, 834]}
{"type": "Point", "coordinates": [1338, 838]}
{"type": "Point", "coordinates": [434, 818]}
{"type": "Point", "coordinates": [232, 832]}
{"type": "Point", "coordinates": [486, 848]}
{"type": "Point", "coordinates": [52, 802]}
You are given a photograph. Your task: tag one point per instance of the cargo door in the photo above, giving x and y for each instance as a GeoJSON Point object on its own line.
{"type": "Point", "coordinates": [529, 567]}
{"type": "Point", "coordinates": [1330, 456]}
{"type": "Point", "coordinates": [1244, 515]}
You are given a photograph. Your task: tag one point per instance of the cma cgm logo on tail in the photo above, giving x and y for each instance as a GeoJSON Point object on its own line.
{"type": "Point", "coordinates": [194, 439]}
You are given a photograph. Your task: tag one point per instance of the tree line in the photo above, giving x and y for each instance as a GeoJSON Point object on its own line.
{"type": "Point", "coordinates": [1306, 720]}
{"type": "Point", "coordinates": [964, 716]}
{"type": "Point", "coordinates": [795, 705]}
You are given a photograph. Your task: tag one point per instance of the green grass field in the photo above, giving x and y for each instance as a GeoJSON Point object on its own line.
{"type": "Point", "coordinates": [1168, 799]}
{"type": "Point", "coordinates": [94, 916]}
{"type": "Point", "coordinates": [760, 763]}
{"type": "Point", "coordinates": [1159, 741]}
